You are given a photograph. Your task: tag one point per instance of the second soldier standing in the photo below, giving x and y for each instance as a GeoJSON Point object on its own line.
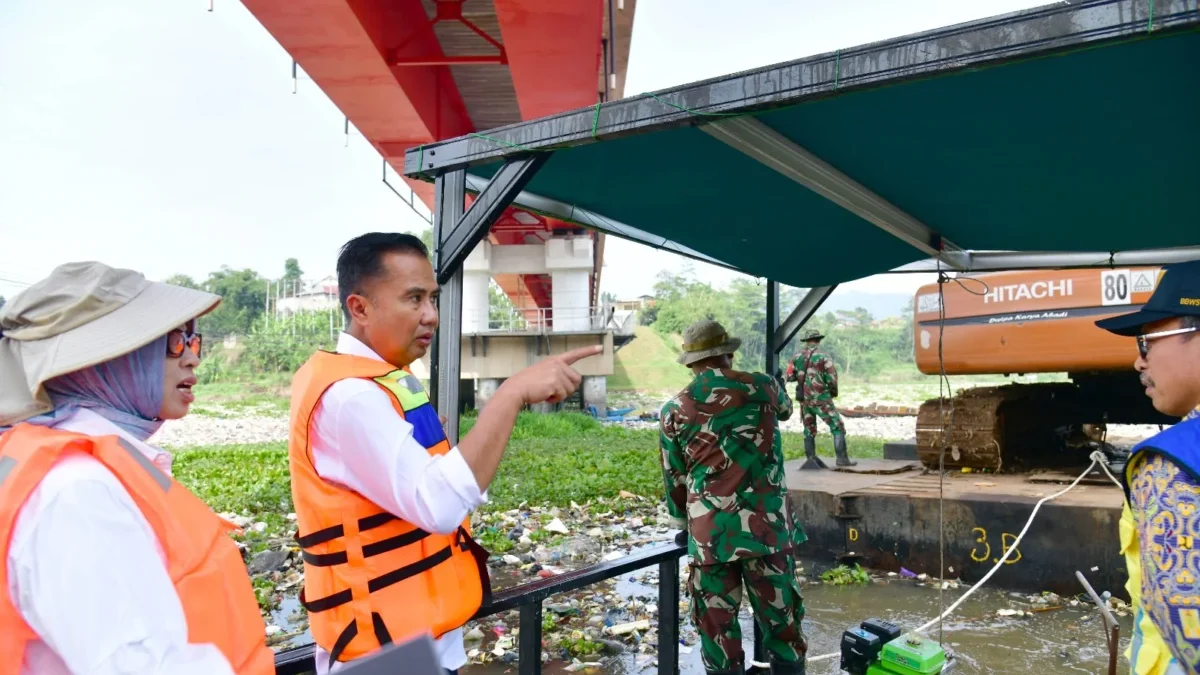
{"type": "Point", "coordinates": [817, 385]}
{"type": "Point", "coordinates": [723, 466]}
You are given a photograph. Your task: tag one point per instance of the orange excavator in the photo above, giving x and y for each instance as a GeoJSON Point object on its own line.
{"type": "Point", "coordinates": [1020, 323]}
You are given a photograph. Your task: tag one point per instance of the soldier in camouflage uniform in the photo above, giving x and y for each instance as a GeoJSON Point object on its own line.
{"type": "Point", "coordinates": [817, 386]}
{"type": "Point", "coordinates": [723, 467]}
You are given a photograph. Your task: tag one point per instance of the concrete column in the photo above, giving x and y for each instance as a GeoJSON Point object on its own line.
{"type": "Point", "coordinates": [595, 392]}
{"type": "Point", "coordinates": [543, 408]}
{"type": "Point", "coordinates": [484, 389]}
{"type": "Point", "coordinates": [569, 298]}
{"type": "Point", "coordinates": [476, 278]}
{"type": "Point", "coordinates": [569, 260]}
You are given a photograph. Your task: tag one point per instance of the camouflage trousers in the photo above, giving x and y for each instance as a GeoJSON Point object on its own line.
{"type": "Point", "coordinates": [827, 411]}
{"type": "Point", "coordinates": [716, 593]}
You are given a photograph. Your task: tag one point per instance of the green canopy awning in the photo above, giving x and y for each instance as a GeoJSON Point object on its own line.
{"type": "Point", "coordinates": [1068, 128]}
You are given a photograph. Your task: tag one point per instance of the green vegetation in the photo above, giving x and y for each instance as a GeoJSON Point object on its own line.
{"type": "Point", "coordinates": [648, 364]}
{"type": "Point", "coordinates": [265, 396]}
{"type": "Point", "coordinates": [846, 576]}
{"type": "Point", "coordinates": [552, 460]}
{"type": "Point", "coordinates": [862, 348]}
{"type": "Point", "coordinates": [242, 479]}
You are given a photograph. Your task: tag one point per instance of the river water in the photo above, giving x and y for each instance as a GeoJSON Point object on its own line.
{"type": "Point", "coordinates": [1049, 641]}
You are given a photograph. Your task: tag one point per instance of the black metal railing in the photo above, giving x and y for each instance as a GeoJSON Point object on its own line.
{"type": "Point", "coordinates": [527, 599]}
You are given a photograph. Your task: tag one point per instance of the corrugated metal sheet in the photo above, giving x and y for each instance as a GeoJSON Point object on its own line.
{"type": "Point", "coordinates": [486, 89]}
{"type": "Point", "coordinates": [488, 93]}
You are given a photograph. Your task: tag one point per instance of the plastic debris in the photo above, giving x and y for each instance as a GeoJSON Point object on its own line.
{"type": "Point", "coordinates": [622, 629]}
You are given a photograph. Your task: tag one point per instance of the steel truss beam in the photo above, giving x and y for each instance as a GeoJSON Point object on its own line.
{"type": "Point", "coordinates": [580, 216]}
{"type": "Point", "coordinates": [995, 261]}
{"type": "Point", "coordinates": [808, 306]}
{"type": "Point", "coordinates": [1036, 32]}
{"type": "Point", "coordinates": [457, 242]}
{"type": "Point", "coordinates": [771, 148]}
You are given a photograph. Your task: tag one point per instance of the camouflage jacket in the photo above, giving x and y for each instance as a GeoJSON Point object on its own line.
{"type": "Point", "coordinates": [819, 375]}
{"type": "Point", "coordinates": [723, 466]}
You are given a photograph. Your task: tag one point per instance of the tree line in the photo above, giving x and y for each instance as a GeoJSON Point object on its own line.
{"type": "Point", "coordinates": [861, 346]}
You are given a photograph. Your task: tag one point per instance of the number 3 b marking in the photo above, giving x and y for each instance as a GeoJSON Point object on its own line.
{"type": "Point", "coordinates": [1006, 542]}
{"type": "Point", "coordinates": [982, 539]}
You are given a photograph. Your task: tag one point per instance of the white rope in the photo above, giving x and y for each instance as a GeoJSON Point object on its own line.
{"type": "Point", "coordinates": [1097, 459]}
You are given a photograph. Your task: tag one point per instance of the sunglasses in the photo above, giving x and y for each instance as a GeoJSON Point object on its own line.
{"type": "Point", "coordinates": [178, 340]}
{"type": "Point", "coordinates": [1143, 341]}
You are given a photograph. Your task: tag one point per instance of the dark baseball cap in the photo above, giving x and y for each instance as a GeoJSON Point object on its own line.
{"type": "Point", "coordinates": [1177, 294]}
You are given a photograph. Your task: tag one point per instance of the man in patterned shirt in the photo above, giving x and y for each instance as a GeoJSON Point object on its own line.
{"type": "Point", "coordinates": [817, 386]}
{"type": "Point", "coordinates": [723, 467]}
{"type": "Point", "coordinates": [1160, 524]}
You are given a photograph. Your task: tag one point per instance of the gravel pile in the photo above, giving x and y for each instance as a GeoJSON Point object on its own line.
{"type": "Point", "coordinates": [199, 430]}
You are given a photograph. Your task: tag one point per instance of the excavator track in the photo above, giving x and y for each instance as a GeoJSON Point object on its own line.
{"type": "Point", "coordinates": [1010, 428]}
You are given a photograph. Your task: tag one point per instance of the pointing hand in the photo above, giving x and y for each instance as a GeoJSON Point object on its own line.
{"type": "Point", "coordinates": [551, 379]}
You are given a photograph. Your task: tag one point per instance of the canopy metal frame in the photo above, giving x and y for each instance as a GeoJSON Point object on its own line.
{"type": "Point", "coordinates": [721, 106]}
{"type": "Point", "coordinates": [1041, 31]}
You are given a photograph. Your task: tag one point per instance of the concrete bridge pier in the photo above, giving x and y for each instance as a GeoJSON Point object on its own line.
{"type": "Point", "coordinates": [595, 393]}
{"type": "Point", "coordinates": [485, 388]}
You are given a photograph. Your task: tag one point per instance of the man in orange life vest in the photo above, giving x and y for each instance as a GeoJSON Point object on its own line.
{"type": "Point", "coordinates": [382, 500]}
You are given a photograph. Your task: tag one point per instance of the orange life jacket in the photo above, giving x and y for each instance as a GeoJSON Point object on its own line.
{"type": "Point", "coordinates": [203, 562]}
{"type": "Point", "coordinates": [371, 578]}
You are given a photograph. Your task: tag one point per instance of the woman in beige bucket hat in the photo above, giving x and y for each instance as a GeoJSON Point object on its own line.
{"type": "Point", "coordinates": [92, 361]}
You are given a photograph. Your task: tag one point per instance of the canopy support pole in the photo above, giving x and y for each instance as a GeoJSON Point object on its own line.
{"type": "Point", "coordinates": [804, 311]}
{"type": "Point", "coordinates": [449, 197]}
{"type": "Point", "coordinates": [763, 144]}
{"type": "Point", "coordinates": [772, 326]}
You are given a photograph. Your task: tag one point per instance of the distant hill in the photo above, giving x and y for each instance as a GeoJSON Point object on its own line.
{"type": "Point", "coordinates": [880, 305]}
{"type": "Point", "coordinates": [648, 364]}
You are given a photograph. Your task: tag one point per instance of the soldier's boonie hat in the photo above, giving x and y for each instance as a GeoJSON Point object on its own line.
{"type": "Point", "coordinates": [706, 339]}
{"type": "Point", "coordinates": [812, 334]}
{"type": "Point", "coordinates": [1177, 294]}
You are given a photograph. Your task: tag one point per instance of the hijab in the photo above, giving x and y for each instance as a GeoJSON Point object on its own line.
{"type": "Point", "coordinates": [127, 391]}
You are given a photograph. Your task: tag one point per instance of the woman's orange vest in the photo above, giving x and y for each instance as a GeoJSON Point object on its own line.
{"type": "Point", "coordinates": [203, 562]}
{"type": "Point", "coordinates": [371, 578]}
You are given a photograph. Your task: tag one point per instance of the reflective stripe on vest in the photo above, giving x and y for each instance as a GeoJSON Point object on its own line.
{"type": "Point", "coordinates": [1148, 653]}
{"type": "Point", "coordinates": [371, 577]}
{"type": "Point", "coordinates": [203, 563]}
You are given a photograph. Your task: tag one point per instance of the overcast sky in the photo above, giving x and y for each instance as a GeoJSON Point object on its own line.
{"type": "Point", "coordinates": [155, 135]}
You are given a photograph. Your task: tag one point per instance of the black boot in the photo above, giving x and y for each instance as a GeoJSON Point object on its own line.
{"type": "Point", "coordinates": [740, 670]}
{"type": "Point", "coordinates": [839, 448]}
{"type": "Point", "coordinates": [787, 667]}
{"type": "Point", "coordinates": [812, 462]}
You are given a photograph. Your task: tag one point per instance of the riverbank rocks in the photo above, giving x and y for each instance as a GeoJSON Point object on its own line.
{"type": "Point", "coordinates": [268, 561]}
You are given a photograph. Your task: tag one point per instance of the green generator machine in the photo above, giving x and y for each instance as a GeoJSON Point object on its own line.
{"type": "Point", "coordinates": [877, 647]}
